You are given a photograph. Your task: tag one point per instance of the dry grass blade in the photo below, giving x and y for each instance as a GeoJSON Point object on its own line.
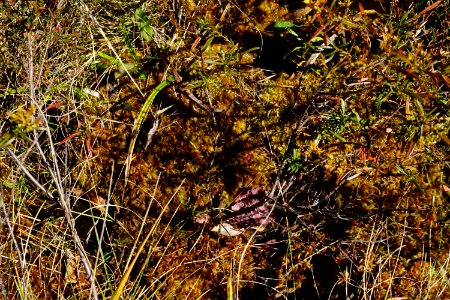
{"type": "Point", "coordinates": [110, 46]}
{"type": "Point", "coordinates": [123, 281]}
{"type": "Point", "coordinates": [20, 255]}
{"type": "Point", "coordinates": [55, 172]}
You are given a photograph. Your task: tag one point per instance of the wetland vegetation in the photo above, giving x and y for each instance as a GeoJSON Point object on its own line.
{"type": "Point", "coordinates": [197, 149]}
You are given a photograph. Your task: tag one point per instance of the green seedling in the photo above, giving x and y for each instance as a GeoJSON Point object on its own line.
{"type": "Point", "coordinates": [295, 162]}
{"type": "Point", "coordinates": [122, 67]}
{"type": "Point", "coordinates": [128, 42]}
{"type": "Point", "coordinates": [143, 24]}
{"type": "Point", "coordinates": [410, 176]}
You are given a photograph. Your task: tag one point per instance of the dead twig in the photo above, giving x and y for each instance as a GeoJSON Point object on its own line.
{"type": "Point", "coordinates": [54, 170]}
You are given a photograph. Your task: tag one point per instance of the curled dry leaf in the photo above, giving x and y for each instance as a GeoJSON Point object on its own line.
{"type": "Point", "coordinates": [251, 209]}
{"type": "Point", "coordinates": [227, 230]}
{"type": "Point", "coordinates": [202, 219]}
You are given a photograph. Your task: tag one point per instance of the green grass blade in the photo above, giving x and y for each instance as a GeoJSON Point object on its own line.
{"type": "Point", "coordinates": [141, 117]}
{"type": "Point", "coordinates": [113, 60]}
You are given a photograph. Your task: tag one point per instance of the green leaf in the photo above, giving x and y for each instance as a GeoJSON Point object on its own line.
{"type": "Point", "coordinates": [109, 58]}
{"type": "Point", "coordinates": [280, 26]}
{"type": "Point", "coordinates": [143, 24]}
{"type": "Point", "coordinates": [339, 137]}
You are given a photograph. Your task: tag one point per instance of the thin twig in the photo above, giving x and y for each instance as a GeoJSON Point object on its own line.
{"type": "Point", "coordinates": [54, 171]}
{"type": "Point", "coordinates": [16, 246]}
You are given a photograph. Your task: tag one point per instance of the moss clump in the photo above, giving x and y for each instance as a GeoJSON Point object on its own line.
{"type": "Point", "coordinates": [338, 112]}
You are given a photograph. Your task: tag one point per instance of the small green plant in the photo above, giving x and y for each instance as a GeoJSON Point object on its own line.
{"type": "Point", "coordinates": [296, 162]}
{"type": "Point", "coordinates": [342, 122]}
{"type": "Point", "coordinates": [145, 29]}
{"type": "Point", "coordinates": [122, 68]}
{"type": "Point", "coordinates": [410, 176]}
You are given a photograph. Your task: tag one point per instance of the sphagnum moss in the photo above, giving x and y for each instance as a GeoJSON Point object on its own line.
{"type": "Point", "coordinates": [350, 144]}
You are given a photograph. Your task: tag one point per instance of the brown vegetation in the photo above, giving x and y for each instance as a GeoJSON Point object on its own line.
{"type": "Point", "coordinates": [298, 151]}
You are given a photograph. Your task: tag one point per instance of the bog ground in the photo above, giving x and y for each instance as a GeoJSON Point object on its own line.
{"type": "Point", "coordinates": [224, 149]}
